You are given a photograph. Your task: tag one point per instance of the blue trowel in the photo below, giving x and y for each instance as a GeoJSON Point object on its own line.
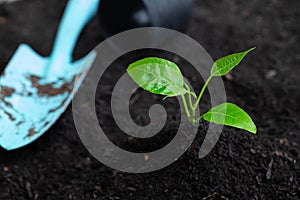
{"type": "Point", "coordinates": [35, 91]}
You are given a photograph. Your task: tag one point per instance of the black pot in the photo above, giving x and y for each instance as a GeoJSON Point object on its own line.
{"type": "Point", "coordinates": [120, 15]}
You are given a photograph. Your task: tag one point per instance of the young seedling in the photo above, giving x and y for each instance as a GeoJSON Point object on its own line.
{"type": "Point", "coordinates": [160, 76]}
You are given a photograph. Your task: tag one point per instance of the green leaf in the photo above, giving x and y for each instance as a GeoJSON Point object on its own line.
{"type": "Point", "coordinates": [224, 65]}
{"type": "Point", "coordinates": [158, 76]}
{"type": "Point", "coordinates": [230, 115]}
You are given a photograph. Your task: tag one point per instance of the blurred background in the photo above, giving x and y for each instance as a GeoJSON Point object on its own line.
{"type": "Point", "coordinates": [241, 166]}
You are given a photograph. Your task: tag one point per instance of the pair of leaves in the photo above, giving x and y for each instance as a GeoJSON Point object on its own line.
{"type": "Point", "coordinates": [160, 76]}
{"type": "Point", "coordinates": [228, 113]}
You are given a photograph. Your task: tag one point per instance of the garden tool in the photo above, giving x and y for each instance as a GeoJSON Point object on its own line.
{"type": "Point", "coordinates": [35, 91]}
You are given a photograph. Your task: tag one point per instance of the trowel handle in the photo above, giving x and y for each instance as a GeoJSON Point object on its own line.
{"type": "Point", "coordinates": [172, 14]}
{"type": "Point", "coordinates": [77, 14]}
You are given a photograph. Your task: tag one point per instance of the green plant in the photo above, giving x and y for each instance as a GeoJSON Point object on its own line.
{"type": "Point", "coordinates": [160, 76]}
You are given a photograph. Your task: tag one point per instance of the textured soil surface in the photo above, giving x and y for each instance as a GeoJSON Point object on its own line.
{"type": "Point", "coordinates": [241, 166]}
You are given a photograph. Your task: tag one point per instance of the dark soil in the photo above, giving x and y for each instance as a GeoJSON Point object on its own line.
{"type": "Point", "coordinates": [241, 166]}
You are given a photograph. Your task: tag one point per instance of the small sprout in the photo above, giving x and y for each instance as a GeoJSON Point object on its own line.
{"type": "Point", "coordinates": [160, 76]}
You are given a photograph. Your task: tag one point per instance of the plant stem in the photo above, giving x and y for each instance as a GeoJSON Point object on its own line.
{"type": "Point", "coordinates": [191, 106]}
{"type": "Point", "coordinates": [186, 107]}
{"type": "Point", "coordinates": [202, 92]}
{"type": "Point", "coordinates": [190, 94]}
{"type": "Point", "coordinates": [199, 118]}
